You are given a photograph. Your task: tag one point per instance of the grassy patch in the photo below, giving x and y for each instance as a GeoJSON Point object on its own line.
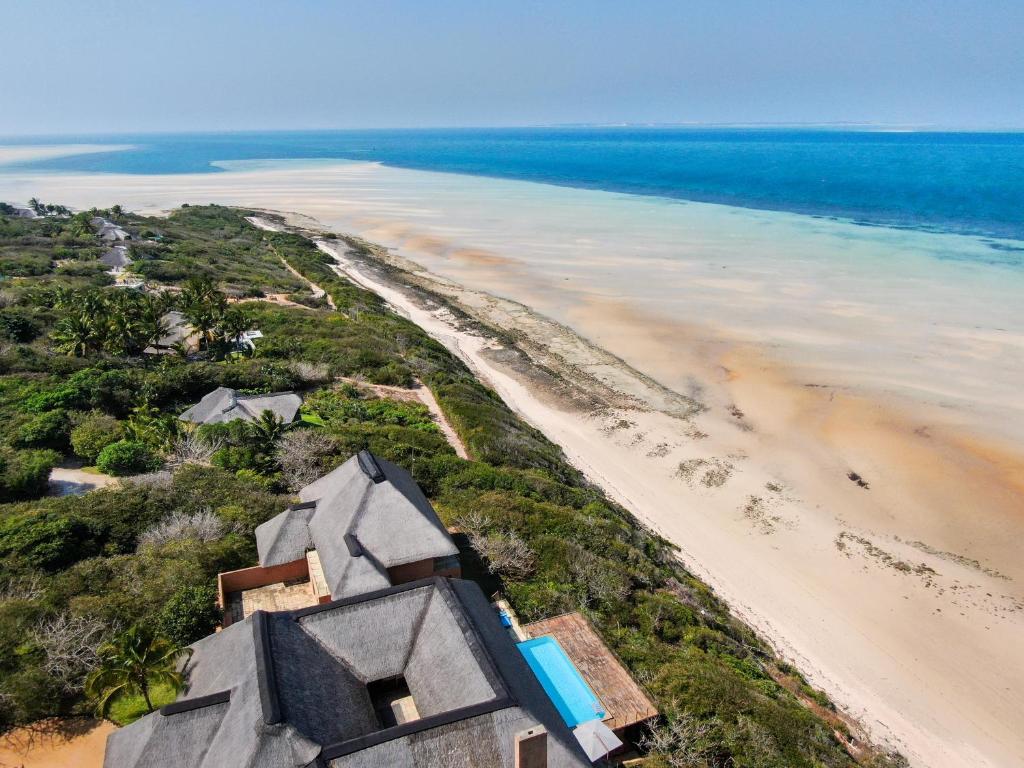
{"type": "Point", "coordinates": [127, 709]}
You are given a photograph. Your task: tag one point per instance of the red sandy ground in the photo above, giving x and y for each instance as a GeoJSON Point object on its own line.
{"type": "Point", "coordinates": [56, 744]}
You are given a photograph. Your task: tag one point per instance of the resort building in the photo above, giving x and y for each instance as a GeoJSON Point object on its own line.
{"type": "Point", "coordinates": [179, 331]}
{"type": "Point", "coordinates": [224, 405]}
{"type": "Point", "coordinates": [354, 643]}
{"type": "Point", "coordinates": [363, 527]}
{"type": "Point", "coordinates": [415, 676]}
{"type": "Point", "coordinates": [108, 231]}
{"type": "Point", "coordinates": [117, 259]}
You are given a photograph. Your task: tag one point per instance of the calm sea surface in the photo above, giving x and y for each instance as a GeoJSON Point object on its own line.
{"type": "Point", "coordinates": [966, 183]}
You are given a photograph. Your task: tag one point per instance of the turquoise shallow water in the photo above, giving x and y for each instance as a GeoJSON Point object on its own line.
{"type": "Point", "coordinates": [968, 183]}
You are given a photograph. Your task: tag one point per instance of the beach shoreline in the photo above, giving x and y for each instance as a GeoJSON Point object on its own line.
{"type": "Point", "coordinates": [844, 470]}
{"type": "Point", "coordinates": [557, 410]}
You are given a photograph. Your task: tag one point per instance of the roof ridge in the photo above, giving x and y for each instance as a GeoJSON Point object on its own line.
{"type": "Point", "coordinates": [301, 613]}
{"type": "Point", "coordinates": [471, 633]}
{"type": "Point", "coordinates": [418, 629]}
{"type": "Point", "coordinates": [265, 675]}
{"type": "Point", "coordinates": [279, 393]}
{"type": "Point", "coordinates": [340, 659]}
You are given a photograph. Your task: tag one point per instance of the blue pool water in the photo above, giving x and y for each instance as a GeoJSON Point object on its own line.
{"type": "Point", "coordinates": [571, 695]}
{"type": "Point", "coordinates": [968, 183]}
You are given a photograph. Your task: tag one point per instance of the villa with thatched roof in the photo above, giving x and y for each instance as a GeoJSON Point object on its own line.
{"type": "Point", "coordinates": [225, 404]}
{"type": "Point", "coordinates": [415, 676]}
{"type": "Point", "coordinates": [116, 258]}
{"type": "Point", "coordinates": [108, 231]}
{"type": "Point", "coordinates": [363, 527]}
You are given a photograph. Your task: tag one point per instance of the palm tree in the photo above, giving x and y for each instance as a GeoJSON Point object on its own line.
{"type": "Point", "coordinates": [133, 663]}
{"type": "Point", "coordinates": [203, 306]}
{"type": "Point", "coordinates": [121, 323]}
{"type": "Point", "coordinates": [268, 428]}
{"type": "Point", "coordinates": [74, 335]}
{"type": "Point", "coordinates": [152, 325]}
{"type": "Point", "coordinates": [233, 323]}
{"type": "Point", "coordinates": [147, 425]}
{"type": "Point", "coordinates": [62, 297]}
{"type": "Point", "coordinates": [81, 225]}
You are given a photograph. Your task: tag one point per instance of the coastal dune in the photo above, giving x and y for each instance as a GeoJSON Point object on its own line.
{"type": "Point", "coordinates": [832, 436]}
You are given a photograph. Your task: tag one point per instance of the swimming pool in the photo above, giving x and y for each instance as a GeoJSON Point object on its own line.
{"type": "Point", "coordinates": [569, 692]}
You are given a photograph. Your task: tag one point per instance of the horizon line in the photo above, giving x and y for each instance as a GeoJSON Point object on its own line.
{"type": "Point", "coordinates": [851, 126]}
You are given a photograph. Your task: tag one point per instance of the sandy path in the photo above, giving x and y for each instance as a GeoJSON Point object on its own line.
{"type": "Point", "coordinates": [427, 396]}
{"type": "Point", "coordinates": [67, 481]}
{"type": "Point", "coordinates": [56, 744]}
{"type": "Point", "coordinates": [315, 289]}
{"type": "Point", "coordinates": [819, 588]}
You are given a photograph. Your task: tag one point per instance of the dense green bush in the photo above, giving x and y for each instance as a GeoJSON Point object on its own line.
{"type": "Point", "coordinates": [48, 541]}
{"type": "Point", "coordinates": [18, 324]}
{"type": "Point", "coordinates": [94, 432]}
{"type": "Point", "coordinates": [346, 405]}
{"type": "Point", "coordinates": [127, 457]}
{"type": "Point", "coordinates": [25, 474]}
{"type": "Point", "coordinates": [49, 429]}
{"type": "Point", "coordinates": [190, 614]}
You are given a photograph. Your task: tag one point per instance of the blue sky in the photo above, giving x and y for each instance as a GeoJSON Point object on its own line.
{"type": "Point", "coordinates": [103, 66]}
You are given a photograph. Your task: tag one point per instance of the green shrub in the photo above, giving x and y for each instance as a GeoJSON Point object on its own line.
{"type": "Point", "coordinates": [46, 540]}
{"type": "Point", "coordinates": [17, 324]}
{"type": "Point", "coordinates": [25, 474]}
{"type": "Point", "coordinates": [347, 405]}
{"type": "Point", "coordinates": [127, 457]}
{"type": "Point", "coordinates": [190, 614]}
{"type": "Point", "coordinates": [260, 481]}
{"type": "Point", "coordinates": [95, 432]}
{"type": "Point", "coordinates": [47, 430]}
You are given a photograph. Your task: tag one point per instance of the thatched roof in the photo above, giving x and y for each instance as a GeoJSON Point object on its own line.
{"type": "Point", "coordinates": [366, 516]}
{"type": "Point", "coordinates": [116, 257]}
{"type": "Point", "coordinates": [290, 689]}
{"type": "Point", "coordinates": [224, 404]}
{"type": "Point", "coordinates": [108, 230]}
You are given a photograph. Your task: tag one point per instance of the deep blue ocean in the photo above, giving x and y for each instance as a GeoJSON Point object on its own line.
{"type": "Point", "coordinates": [969, 183]}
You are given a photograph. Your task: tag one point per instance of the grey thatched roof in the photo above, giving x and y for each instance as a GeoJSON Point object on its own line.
{"type": "Point", "coordinates": [366, 516]}
{"type": "Point", "coordinates": [116, 257]}
{"type": "Point", "coordinates": [224, 404]}
{"type": "Point", "coordinates": [108, 230]}
{"type": "Point", "coordinates": [290, 689]}
{"type": "Point", "coordinates": [178, 328]}
{"type": "Point", "coordinates": [285, 538]}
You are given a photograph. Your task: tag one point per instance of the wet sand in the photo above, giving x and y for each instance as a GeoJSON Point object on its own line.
{"type": "Point", "coordinates": [833, 436]}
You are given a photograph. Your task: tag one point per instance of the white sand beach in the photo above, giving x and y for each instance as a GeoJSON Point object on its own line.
{"type": "Point", "coordinates": [833, 437]}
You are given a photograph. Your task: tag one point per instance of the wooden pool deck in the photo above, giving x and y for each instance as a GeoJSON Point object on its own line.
{"type": "Point", "coordinates": [624, 702]}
